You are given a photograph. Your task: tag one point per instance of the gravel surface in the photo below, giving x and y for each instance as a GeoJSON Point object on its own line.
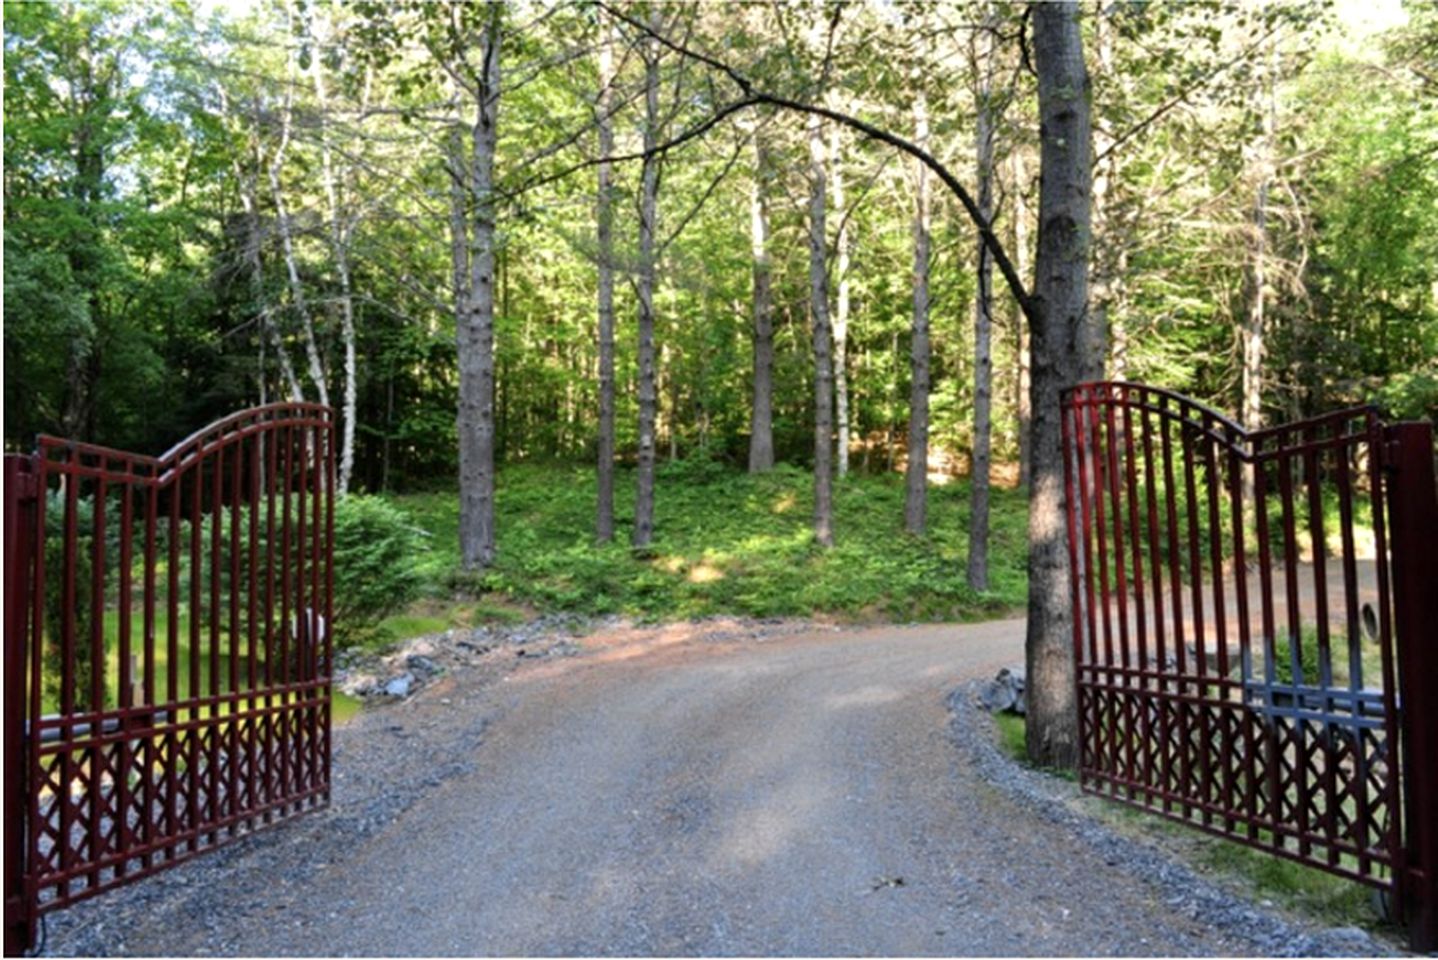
{"type": "Point", "coordinates": [718, 788]}
{"type": "Point", "coordinates": [1058, 801]}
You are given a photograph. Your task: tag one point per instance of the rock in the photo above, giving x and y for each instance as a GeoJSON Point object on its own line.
{"type": "Point", "coordinates": [358, 684]}
{"type": "Point", "coordinates": [399, 686]}
{"type": "Point", "coordinates": [421, 664]}
{"type": "Point", "coordinates": [1005, 692]}
{"type": "Point", "coordinates": [1347, 940]}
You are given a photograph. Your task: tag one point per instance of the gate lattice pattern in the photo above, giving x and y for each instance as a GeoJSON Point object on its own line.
{"type": "Point", "coordinates": [1234, 633]}
{"type": "Point", "coordinates": [167, 640]}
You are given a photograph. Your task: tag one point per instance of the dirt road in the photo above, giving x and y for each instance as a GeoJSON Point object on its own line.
{"type": "Point", "coordinates": [803, 795]}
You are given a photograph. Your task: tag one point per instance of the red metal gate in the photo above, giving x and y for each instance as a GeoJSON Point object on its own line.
{"type": "Point", "coordinates": [167, 650]}
{"type": "Point", "coordinates": [1256, 629]}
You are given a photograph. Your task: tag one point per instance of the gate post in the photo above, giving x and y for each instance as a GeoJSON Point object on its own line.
{"type": "Point", "coordinates": [1413, 510]}
{"type": "Point", "coordinates": [20, 497]}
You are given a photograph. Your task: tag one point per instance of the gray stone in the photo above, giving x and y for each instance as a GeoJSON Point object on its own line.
{"type": "Point", "coordinates": [357, 684]}
{"type": "Point", "coordinates": [399, 686]}
{"type": "Point", "coordinates": [1005, 692]}
{"type": "Point", "coordinates": [421, 664]}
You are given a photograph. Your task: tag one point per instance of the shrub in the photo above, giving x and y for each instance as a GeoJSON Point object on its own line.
{"type": "Point", "coordinates": [82, 662]}
{"type": "Point", "coordinates": [1309, 661]}
{"type": "Point", "coordinates": [377, 573]}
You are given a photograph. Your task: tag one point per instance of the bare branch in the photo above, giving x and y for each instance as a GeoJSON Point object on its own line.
{"type": "Point", "coordinates": [754, 96]}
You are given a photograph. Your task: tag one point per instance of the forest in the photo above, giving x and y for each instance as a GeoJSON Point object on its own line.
{"type": "Point", "coordinates": [620, 252]}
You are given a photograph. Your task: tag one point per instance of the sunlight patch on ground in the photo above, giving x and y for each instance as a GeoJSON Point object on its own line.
{"type": "Point", "coordinates": [705, 572]}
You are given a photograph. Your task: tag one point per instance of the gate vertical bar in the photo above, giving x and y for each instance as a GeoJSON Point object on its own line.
{"type": "Point", "coordinates": [1413, 506]}
{"type": "Point", "coordinates": [19, 558]}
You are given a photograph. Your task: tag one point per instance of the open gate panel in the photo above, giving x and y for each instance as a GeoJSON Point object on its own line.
{"type": "Point", "coordinates": [1245, 661]}
{"type": "Point", "coordinates": [167, 650]}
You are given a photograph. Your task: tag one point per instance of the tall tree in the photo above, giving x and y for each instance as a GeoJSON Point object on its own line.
{"type": "Point", "coordinates": [761, 422]}
{"type": "Point", "coordinates": [284, 224]}
{"type": "Point", "coordinates": [1019, 191]}
{"type": "Point", "coordinates": [474, 336]}
{"type": "Point", "coordinates": [341, 230]}
{"type": "Point", "coordinates": [822, 337]}
{"type": "Point", "coordinates": [840, 325]}
{"type": "Point", "coordinates": [1062, 348]}
{"type": "Point", "coordinates": [604, 230]}
{"type": "Point", "coordinates": [916, 493]}
{"type": "Point", "coordinates": [1262, 166]}
{"type": "Point", "coordinates": [983, 62]}
{"type": "Point", "coordinates": [648, 268]}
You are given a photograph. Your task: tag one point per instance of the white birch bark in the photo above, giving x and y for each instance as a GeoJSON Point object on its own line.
{"type": "Point", "coordinates": [340, 230]}
{"type": "Point", "coordinates": [841, 300]}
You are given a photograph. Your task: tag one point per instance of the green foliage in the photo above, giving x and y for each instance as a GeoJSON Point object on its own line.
{"type": "Point", "coordinates": [729, 542]}
{"type": "Point", "coordinates": [1317, 893]}
{"type": "Point", "coordinates": [81, 619]}
{"type": "Point", "coordinates": [1309, 660]}
{"type": "Point", "coordinates": [375, 572]}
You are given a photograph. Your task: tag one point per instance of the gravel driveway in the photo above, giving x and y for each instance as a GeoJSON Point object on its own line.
{"type": "Point", "coordinates": [800, 793]}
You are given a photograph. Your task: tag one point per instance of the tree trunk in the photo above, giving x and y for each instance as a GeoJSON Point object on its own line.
{"type": "Point", "coordinates": [979, 466]}
{"type": "Point", "coordinates": [1253, 332]}
{"type": "Point", "coordinates": [1106, 274]}
{"type": "Point", "coordinates": [841, 301]}
{"type": "Point", "coordinates": [761, 423]}
{"type": "Point", "coordinates": [648, 388]}
{"type": "Point", "coordinates": [387, 449]}
{"type": "Point", "coordinates": [339, 250]}
{"type": "Point", "coordinates": [916, 474]}
{"type": "Point", "coordinates": [1021, 263]}
{"type": "Point", "coordinates": [287, 247]}
{"type": "Point", "coordinates": [1062, 356]}
{"type": "Point", "coordinates": [250, 200]}
{"type": "Point", "coordinates": [604, 230]}
{"type": "Point", "coordinates": [475, 336]}
{"type": "Point", "coordinates": [823, 341]}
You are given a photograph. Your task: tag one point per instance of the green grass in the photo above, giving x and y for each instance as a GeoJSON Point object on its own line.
{"type": "Point", "coordinates": [729, 543]}
{"type": "Point", "coordinates": [1336, 901]}
{"type": "Point", "coordinates": [1327, 898]}
{"type": "Point", "coordinates": [1013, 739]}
{"type": "Point", "coordinates": [343, 707]}
{"type": "Point", "coordinates": [435, 616]}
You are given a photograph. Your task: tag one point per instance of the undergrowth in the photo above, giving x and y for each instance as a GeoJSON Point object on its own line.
{"type": "Point", "coordinates": [726, 543]}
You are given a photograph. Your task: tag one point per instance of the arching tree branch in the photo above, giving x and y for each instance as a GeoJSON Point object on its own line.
{"type": "Point", "coordinates": [754, 96]}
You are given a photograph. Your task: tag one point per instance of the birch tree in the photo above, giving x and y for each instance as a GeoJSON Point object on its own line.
{"type": "Point", "coordinates": [1262, 151]}
{"type": "Point", "coordinates": [341, 230]}
{"type": "Point", "coordinates": [285, 227]}
{"type": "Point", "coordinates": [840, 326]}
